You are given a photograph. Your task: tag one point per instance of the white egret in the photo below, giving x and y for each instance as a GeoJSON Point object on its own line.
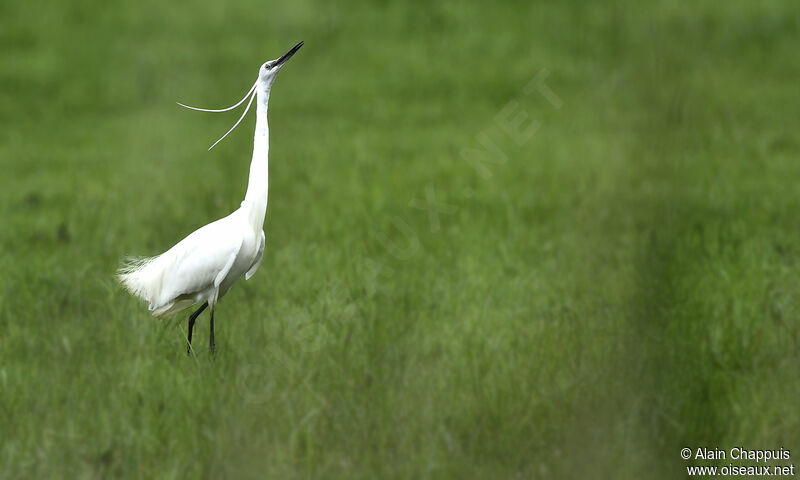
{"type": "Point", "coordinates": [205, 264]}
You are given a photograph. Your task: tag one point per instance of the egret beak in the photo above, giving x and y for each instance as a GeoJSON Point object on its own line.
{"type": "Point", "coordinates": [287, 55]}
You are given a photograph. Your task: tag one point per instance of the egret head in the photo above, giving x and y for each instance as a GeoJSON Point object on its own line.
{"type": "Point", "coordinates": [269, 70]}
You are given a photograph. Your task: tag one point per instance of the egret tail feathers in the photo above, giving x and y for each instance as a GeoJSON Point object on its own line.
{"type": "Point", "coordinates": [143, 278]}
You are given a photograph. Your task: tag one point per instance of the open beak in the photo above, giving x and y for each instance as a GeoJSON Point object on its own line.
{"type": "Point", "coordinates": [287, 55]}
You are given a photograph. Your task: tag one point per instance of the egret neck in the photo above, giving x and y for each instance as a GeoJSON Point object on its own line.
{"type": "Point", "coordinates": [255, 201]}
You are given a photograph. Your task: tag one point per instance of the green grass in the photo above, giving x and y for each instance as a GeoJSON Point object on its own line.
{"type": "Point", "coordinates": [621, 284]}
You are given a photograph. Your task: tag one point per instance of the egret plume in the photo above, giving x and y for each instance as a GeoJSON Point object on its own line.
{"type": "Point", "coordinates": [251, 94]}
{"type": "Point", "coordinates": [216, 110]}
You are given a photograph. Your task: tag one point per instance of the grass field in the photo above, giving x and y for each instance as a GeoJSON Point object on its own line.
{"type": "Point", "coordinates": [610, 272]}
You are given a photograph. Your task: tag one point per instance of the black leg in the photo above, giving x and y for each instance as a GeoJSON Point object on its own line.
{"type": "Point", "coordinates": [211, 344]}
{"type": "Point", "coordinates": [192, 318]}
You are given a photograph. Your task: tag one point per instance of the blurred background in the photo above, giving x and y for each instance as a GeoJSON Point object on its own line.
{"type": "Point", "coordinates": [504, 240]}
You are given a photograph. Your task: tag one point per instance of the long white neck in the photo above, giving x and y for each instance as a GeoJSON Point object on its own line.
{"type": "Point", "coordinates": [256, 198]}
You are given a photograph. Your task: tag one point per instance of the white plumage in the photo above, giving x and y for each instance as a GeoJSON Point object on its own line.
{"type": "Point", "coordinates": [203, 266]}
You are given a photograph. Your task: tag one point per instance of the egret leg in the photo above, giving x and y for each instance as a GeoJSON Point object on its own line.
{"type": "Point", "coordinates": [192, 318]}
{"type": "Point", "coordinates": [211, 345]}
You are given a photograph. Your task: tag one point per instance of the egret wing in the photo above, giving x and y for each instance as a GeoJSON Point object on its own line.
{"type": "Point", "coordinates": [201, 260]}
